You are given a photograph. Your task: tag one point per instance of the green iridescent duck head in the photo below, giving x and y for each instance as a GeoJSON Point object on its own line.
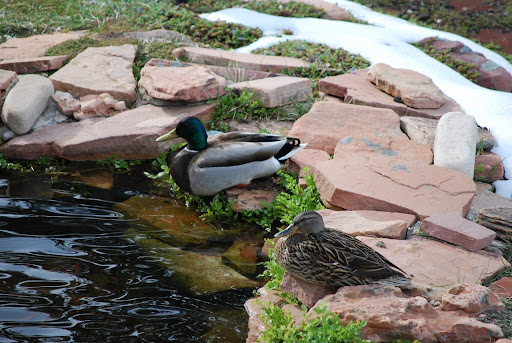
{"type": "Point", "coordinates": [192, 130]}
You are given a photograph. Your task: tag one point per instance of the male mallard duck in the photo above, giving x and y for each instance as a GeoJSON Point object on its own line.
{"type": "Point", "coordinates": [323, 256]}
{"type": "Point", "coordinates": [208, 165]}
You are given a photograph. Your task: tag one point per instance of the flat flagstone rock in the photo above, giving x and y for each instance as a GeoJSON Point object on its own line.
{"type": "Point", "coordinates": [438, 264]}
{"type": "Point", "coordinates": [369, 223]}
{"type": "Point", "coordinates": [307, 158]}
{"type": "Point", "coordinates": [355, 88]}
{"type": "Point", "coordinates": [455, 142]}
{"type": "Point", "coordinates": [413, 88]}
{"type": "Point", "coordinates": [100, 70]}
{"type": "Point", "coordinates": [498, 219]}
{"type": "Point", "coordinates": [231, 74]}
{"type": "Point", "coordinates": [181, 83]}
{"type": "Point", "coordinates": [223, 58]}
{"type": "Point", "coordinates": [128, 135]}
{"type": "Point", "coordinates": [502, 287]}
{"type": "Point", "coordinates": [457, 230]}
{"type": "Point", "coordinates": [485, 198]}
{"type": "Point", "coordinates": [357, 145]}
{"type": "Point", "coordinates": [26, 102]}
{"type": "Point", "coordinates": [277, 91]}
{"type": "Point", "coordinates": [35, 46]}
{"type": "Point", "coordinates": [328, 122]}
{"type": "Point", "coordinates": [33, 64]}
{"type": "Point", "coordinates": [386, 184]}
{"type": "Point", "coordinates": [199, 273]}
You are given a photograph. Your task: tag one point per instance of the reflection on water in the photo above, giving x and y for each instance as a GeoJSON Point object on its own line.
{"type": "Point", "coordinates": [68, 272]}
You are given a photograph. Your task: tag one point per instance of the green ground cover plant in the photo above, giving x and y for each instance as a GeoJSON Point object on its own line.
{"type": "Point", "coordinates": [245, 106]}
{"type": "Point", "coordinates": [468, 70]}
{"type": "Point", "coordinates": [289, 9]}
{"type": "Point", "coordinates": [326, 61]}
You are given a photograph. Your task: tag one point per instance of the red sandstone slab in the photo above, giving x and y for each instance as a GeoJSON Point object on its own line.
{"type": "Point", "coordinates": [327, 122]}
{"type": "Point", "coordinates": [369, 223]}
{"type": "Point", "coordinates": [127, 135]}
{"type": "Point", "coordinates": [307, 158]}
{"type": "Point", "coordinates": [35, 46]}
{"type": "Point", "coordinates": [42, 142]}
{"type": "Point", "coordinates": [130, 134]}
{"type": "Point", "coordinates": [489, 167]}
{"type": "Point", "coordinates": [355, 88]}
{"type": "Point", "coordinates": [99, 70]}
{"type": "Point", "coordinates": [357, 145]}
{"type": "Point", "coordinates": [502, 287]}
{"type": "Point", "coordinates": [439, 264]}
{"type": "Point", "coordinates": [277, 91]}
{"type": "Point", "coordinates": [223, 58]}
{"type": "Point", "coordinates": [454, 229]}
{"type": "Point", "coordinates": [382, 183]}
{"type": "Point", "coordinates": [33, 64]}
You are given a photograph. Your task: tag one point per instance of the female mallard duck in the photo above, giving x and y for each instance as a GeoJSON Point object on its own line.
{"type": "Point", "coordinates": [323, 256]}
{"type": "Point", "coordinates": [209, 165]}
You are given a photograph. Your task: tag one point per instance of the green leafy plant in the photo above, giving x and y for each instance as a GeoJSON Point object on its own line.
{"type": "Point", "coordinates": [273, 271]}
{"type": "Point", "coordinates": [5, 164]}
{"type": "Point", "coordinates": [324, 326]}
{"type": "Point", "coordinates": [118, 165]}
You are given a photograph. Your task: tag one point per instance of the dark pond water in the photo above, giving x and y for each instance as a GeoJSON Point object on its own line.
{"type": "Point", "coordinates": [69, 272]}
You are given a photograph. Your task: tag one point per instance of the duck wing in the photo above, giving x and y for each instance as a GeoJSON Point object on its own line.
{"type": "Point", "coordinates": [237, 136]}
{"type": "Point", "coordinates": [362, 260]}
{"type": "Point", "coordinates": [233, 153]}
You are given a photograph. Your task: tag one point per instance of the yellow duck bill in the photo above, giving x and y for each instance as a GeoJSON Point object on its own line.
{"type": "Point", "coordinates": [169, 135]}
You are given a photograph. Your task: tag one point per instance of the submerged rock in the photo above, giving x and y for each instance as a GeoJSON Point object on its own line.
{"type": "Point", "coordinates": [173, 224]}
{"type": "Point", "coordinates": [199, 273]}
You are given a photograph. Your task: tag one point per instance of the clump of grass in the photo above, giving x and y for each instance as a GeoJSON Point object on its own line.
{"type": "Point", "coordinates": [468, 70]}
{"type": "Point", "coordinates": [289, 9]}
{"type": "Point", "coordinates": [321, 54]}
{"type": "Point", "coordinates": [443, 16]}
{"type": "Point", "coordinates": [273, 7]}
{"type": "Point", "coordinates": [216, 34]}
{"type": "Point", "coordinates": [245, 106]}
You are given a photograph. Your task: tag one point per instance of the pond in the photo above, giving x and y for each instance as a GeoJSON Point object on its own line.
{"type": "Point", "coordinates": [76, 266]}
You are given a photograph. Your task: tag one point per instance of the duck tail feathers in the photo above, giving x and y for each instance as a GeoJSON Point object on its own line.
{"type": "Point", "coordinates": [292, 146]}
{"type": "Point", "coordinates": [396, 281]}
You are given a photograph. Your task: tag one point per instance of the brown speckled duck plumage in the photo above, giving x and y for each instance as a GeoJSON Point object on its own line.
{"type": "Point", "coordinates": [311, 252]}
